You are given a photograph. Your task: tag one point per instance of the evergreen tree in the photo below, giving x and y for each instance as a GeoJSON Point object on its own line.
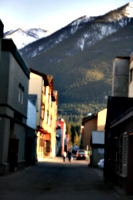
{"type": "Point", "coordinates": [76, 140]}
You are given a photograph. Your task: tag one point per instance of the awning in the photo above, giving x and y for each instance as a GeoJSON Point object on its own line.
{"type": "Point", "coordinates": [47, 135]}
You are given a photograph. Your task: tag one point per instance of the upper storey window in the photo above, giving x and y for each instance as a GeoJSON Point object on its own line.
{"type": "Point", "coordinates": [20, 93]}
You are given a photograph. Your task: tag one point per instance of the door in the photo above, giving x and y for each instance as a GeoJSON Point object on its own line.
{"type": "Point", "coordinates": [13, 153]}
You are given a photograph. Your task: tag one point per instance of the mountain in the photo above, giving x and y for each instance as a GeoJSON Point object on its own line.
{"type": "Point", "coordinates": [85, 32]}
{"type": "Point", "coordinates": [80, 58]}
{"type": "Point", "coordinates": [24, 37]}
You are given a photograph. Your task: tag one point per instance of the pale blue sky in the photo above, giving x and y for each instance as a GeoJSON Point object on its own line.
{"type": "Point", "coordinates": [51, 14]}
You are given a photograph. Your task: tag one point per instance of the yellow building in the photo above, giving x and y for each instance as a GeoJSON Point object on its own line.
{"type": "Point", "coordinates": [101, 120]}
{"type": "Point", "coordinates": [42, 85]}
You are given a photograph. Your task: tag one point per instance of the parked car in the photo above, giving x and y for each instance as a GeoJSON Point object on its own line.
{"type": "Point", "coordinates": [81, 154]}
{"type": "Point", "coordinates": [101, 163]}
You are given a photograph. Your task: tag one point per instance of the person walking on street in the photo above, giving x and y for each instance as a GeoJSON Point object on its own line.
{"type": "Point", "coordinates": [69, 155]}
{"type": "Point", "coordinates": [64, 156]}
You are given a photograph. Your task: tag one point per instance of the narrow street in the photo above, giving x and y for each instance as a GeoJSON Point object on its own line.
{"type": "Point", "coordinates": [52, 179]}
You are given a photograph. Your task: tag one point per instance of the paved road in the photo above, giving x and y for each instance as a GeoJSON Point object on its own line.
{"type": "Point", "coordinates": [52, 179]}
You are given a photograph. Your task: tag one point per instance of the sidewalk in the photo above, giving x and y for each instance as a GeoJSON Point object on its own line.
{"type": "Point", "coordinates": [117, 189]}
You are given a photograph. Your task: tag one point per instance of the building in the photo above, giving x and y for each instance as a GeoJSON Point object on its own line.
{"type": "Point", "coordinates": [41, 85]}
{"type": "Point", "coordinates": [120, 76]}
{"type": "Point", "coordinates": [119, 143]}
{"type": "Point", "coordinates": [90, 124]}
{"type": "Point", "coordinates": [31, 138]}
{"type": "Point", "coordinates": [14, 82]}
{"type": "Point", "coordinates": [130, 88]}
{"type": "Point", "coordinates": [101, 119]}
{"type": "Point", "coordinates": [119, 131]}
{"type": "Point", "coordinates": [62, 124]}
{"type": "Point", "coordinates": [58, 140]}
{"type": "Point", "coordinates": [93, 135]}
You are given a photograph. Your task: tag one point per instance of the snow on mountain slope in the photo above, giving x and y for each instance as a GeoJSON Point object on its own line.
{"type": "Point", "coordinates": [84, 32]}
{"type": "Point", "coordinates": [24, 37]}
{"type": "Point", "coordinates": [106, 25]}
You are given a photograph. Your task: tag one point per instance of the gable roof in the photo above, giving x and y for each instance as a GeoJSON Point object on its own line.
{"type": "Point", "coordinates": [85, 119]}
{"type": "Point", "coordinates": [47, 78]}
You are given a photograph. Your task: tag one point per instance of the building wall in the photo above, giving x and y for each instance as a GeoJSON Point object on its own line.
{"type": "Point", "coordinates": [13, 111]}
{"type": "Point", "coordinates": [31, 115]}
{"type": "Point", "coordinates": [58, 141]}
{"type": "Point", "coordinates": [120, 77]}
{"type": "Point", "coordinates": [98, 141]}
{"type": "Point", "coordinates": [4, 138]}
{"type": "Point", "coordinates": [89, 126]}
{"type": "Point", "coordinates": [4, 75]}
{"type": "Point", "coordinates": [101, 119]}
{"type": "Point", "coordinates": [46, 115]}
{"type": "Point", "coordinates": [130, 92]}
{"type": "Point", "coordinates": [53, 127]}
{"type": "Point", "coordinates": [96, 156]}
{"type": "Point", "coordinates": [20, 134]}
{"type": "Point", "coordinates": [36, 87]}
{"type": "Point", "coordinates": [63, 127]}
{"type": "Point", "coordinates": [10, 82]}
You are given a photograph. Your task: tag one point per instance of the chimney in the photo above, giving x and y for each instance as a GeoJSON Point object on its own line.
{"type": "Point", "coordinates": [1, 29]}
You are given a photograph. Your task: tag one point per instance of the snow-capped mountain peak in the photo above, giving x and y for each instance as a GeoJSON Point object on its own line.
{"type": "Point", "coordinates": [129, 10]}
{"type": "Point", "coordinates": [24, 37]}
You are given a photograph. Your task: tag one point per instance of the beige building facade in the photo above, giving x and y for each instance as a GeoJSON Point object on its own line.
{"type": "Point", "coordinates": [42, 85]}
{"type": "Point", "coordinates": [101, 119]}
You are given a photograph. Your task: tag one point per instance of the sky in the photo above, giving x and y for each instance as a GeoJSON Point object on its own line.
{"type": "Point", "coordinates": [51, 14]}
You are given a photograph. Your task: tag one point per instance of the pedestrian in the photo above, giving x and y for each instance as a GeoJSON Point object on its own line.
{"type": "Point", "coordinates": [69, 155]}
{"type": "Point", "coordinates": [64, 156]}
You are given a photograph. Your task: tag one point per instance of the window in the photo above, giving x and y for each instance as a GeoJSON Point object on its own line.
{"type": "Point", "coordinates": [49, 98]}
{"type": "Point", "coordinates": [20, 93]}
{"type": "Point", "coordinates": [43, 110]}
{"type": "Point", "coordinates": [51, 120]}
